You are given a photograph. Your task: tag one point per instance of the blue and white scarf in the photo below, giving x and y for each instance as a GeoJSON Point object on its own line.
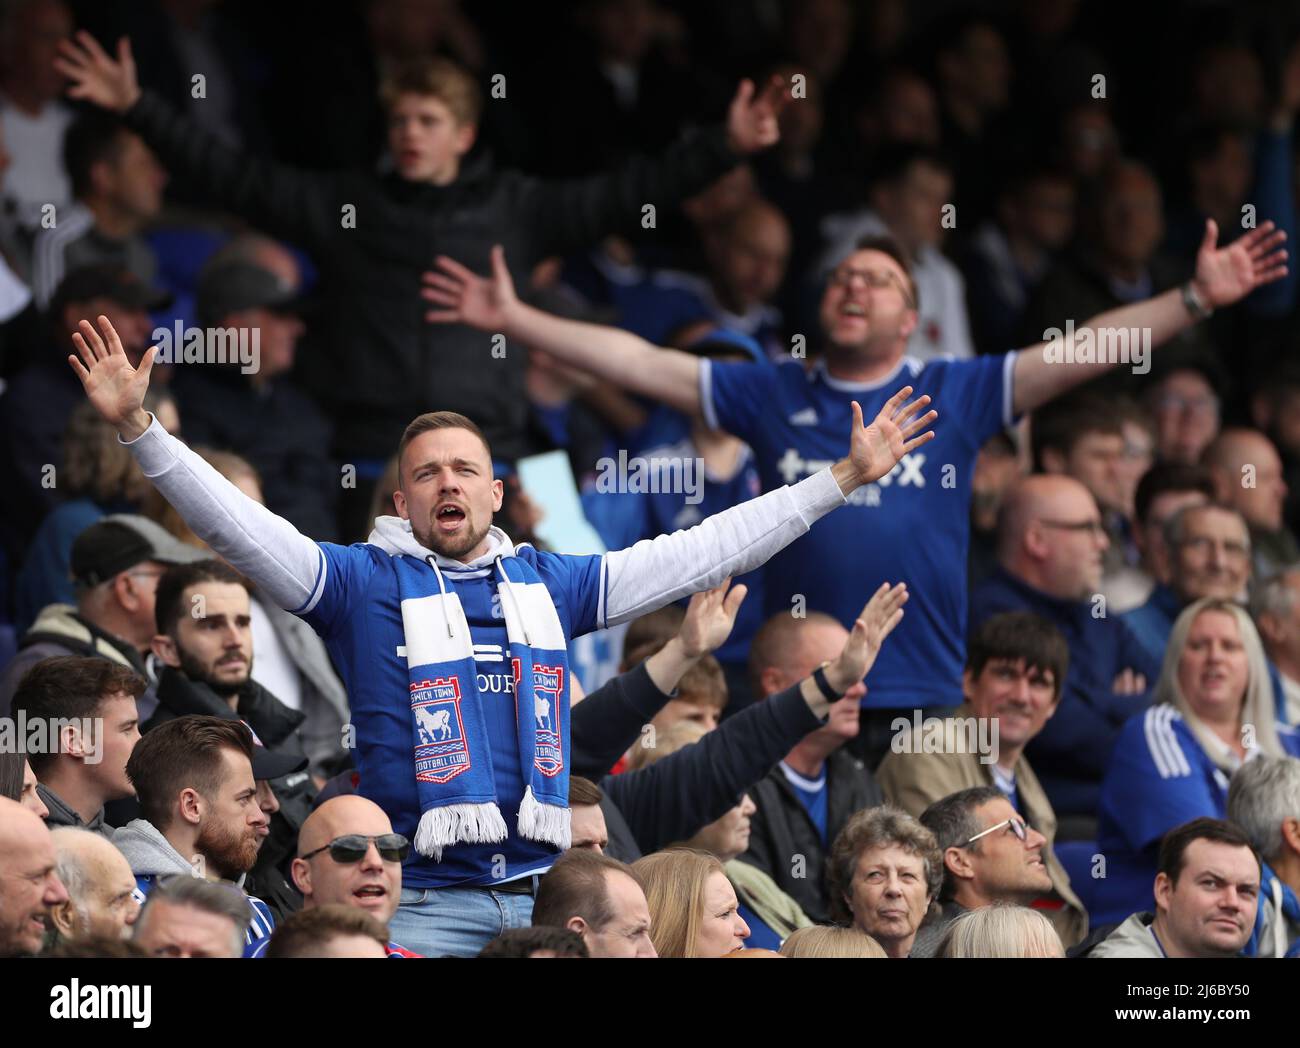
{"type": "Point", "coordinates": [1286, 911]}
{"type": "Point", "coordinates": [452, 756]}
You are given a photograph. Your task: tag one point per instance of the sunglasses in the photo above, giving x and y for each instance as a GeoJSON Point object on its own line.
{"type": "Point", "coordinates": [352, 847]}
{"type": "Point", "coordinates": [1018, 826]}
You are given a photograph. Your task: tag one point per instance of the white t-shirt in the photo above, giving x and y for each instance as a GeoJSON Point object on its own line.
{"type": "Point", "coordinates": [272, 667]}
{"type": "Point", "coordinates": [35, 146]}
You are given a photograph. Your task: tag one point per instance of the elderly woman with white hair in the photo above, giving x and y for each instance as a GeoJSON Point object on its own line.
{"type": "Point", "coordinates": [1264, 801]}
{"type": "Point", "coordinates": [1213, 711]}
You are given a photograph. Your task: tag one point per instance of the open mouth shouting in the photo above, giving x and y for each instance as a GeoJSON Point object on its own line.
{"type": "Point", "coordinates": [370, 896]}
{"type": "Point", "coordinates": [449, 517]}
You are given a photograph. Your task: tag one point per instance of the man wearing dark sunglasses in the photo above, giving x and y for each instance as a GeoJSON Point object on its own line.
{"type": "Point", "coordinates": [348, 854]}
{"type": "Point", "coordinates": [990, 855]}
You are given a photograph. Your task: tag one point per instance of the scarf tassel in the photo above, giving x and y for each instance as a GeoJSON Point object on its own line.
{"type": "Point", "coordinates": [453, 823]}
{"type": "Point", "coordinates": [544, 822]}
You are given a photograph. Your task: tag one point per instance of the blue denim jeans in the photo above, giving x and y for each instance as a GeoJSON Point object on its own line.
{"type": "Point", "coordinates": [456, 922]}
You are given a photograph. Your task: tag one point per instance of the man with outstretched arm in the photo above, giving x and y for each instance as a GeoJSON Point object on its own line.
{"type": "Point", "coordinates": [792, 416]}
{"type": "Point", "coordinates": [372, 236]}
{"type": "Point", "coordinates": [452, 641]}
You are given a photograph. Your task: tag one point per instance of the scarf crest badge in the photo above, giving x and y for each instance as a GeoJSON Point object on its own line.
{"type": "Point", "coordinates": [548, 686]}
{"type": "Point", "coordinates": [441, 752]}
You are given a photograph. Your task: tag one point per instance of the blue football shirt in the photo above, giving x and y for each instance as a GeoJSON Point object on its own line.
{"type": "Point", "coordinates": [1159, 777]}
{"type": "Point", "coordinates": [625, 518]}
{"type": "Point", "coordinates": [912, 525]}
{"type": "Point", "coordinates": [359, 617]}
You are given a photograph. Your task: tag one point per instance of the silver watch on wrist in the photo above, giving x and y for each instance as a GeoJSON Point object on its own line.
{"type": "Point", "coordinates": [1195, 306]}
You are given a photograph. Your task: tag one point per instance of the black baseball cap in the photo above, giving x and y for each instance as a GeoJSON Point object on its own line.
{"type": "Point", "coordinates": [231, 286]}
{"type": "Point", "coordinates": [123, 540]}
{"type": "Point", "coordinates": [106, 281]}
{"type": "Point", "coordinates": [271, 764]}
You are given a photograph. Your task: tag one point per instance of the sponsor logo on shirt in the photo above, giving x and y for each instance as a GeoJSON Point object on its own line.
{"type": "Point", "coordinates": [793, 467]}
{"type": "Point", "coordinates": [804, 417]}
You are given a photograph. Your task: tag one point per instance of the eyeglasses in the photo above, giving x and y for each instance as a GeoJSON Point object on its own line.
{"type": "Point", "coordinates": [1204, 405]}
{"type": "Point", "coordinates": [1093, 527]}
{"type": "Point", "coordinates": [876, 279]}
{"type": "Point", "coordinates": [1018, 826]}
{"type": "Point", "coordinates": [352, 847]}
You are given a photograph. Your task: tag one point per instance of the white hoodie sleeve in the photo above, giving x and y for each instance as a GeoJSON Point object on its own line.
{"type": "Point", "coordinates": [286, 564]}
{"type": "Point", "coordinates": [658, 571]}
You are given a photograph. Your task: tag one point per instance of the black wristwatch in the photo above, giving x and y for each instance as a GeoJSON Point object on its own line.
{"type": "Point", "coordinates": [824, 686]}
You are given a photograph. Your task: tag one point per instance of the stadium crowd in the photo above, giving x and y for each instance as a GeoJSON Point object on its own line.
{"type": "Point", "coordinates": [365, 370]}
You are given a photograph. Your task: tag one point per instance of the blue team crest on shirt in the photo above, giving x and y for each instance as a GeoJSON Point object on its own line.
{"type": "Point", "coordinates": [548, 684]}
{"type": "Point", "coordinates": [440, 751]}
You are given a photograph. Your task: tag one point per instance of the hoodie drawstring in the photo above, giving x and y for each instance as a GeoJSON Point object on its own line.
{"type": "Point", "coordinates": [509, 589]}
{"type": "Point", "coordinates": [442, 589]}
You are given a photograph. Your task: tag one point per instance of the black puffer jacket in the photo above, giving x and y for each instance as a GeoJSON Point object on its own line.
{"type": "Point", "coordinates": [781, 829]}
{"type": "Point", "coordinates": [375, 362]}
{"type": "Point", "coordinates": [271, 720]}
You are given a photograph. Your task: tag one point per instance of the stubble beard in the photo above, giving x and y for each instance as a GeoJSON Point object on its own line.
{"type": "Point", "coordinates": [453, 547]}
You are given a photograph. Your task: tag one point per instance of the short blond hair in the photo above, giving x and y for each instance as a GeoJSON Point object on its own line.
{"type": "Point", "coordinates": [674, 883]}
{"type": "Point", "coordinates": [438, 78]}
{"type": "Point", "coordinates": [1001, 930]}
{"type": "Point", "coordinates": [823, 941]}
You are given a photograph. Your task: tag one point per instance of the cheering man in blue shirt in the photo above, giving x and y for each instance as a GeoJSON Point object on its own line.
{"type": "Point", "coordinates": [914, 521]}
{"type": "Point", "coordinates": [452, 640]}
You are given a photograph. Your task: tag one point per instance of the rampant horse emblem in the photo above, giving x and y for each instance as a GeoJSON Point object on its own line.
{"type": "Point", "coordinates": [441, 752]}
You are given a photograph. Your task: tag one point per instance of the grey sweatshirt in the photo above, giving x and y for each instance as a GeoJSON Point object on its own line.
{"type": "Point", "coordinates": [148, 851]}
{"type": "Point", "coordinates": [1133, 938]}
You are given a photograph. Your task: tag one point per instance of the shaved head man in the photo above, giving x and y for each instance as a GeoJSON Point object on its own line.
{"type": "Point", "coordinates": [748, 256]}
{"type": "Point", "coordinates": [1247, 474]}
{"type": "Point", "coordinates": [1050, 546]}
{"type": "Point", "coordinates": [1051, 536]}
{"type": "Point", "coordinates": [100, 886]}
{"type": "Point", "coordinates": [808, 797]}
{"type": "Point", "coordinates": [348, 854]}
{"type": "Point", "coordinates": [30, 888]}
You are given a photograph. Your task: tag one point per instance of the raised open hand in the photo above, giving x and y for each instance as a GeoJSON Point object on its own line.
{"type": "Point", "coordinates": [882, 613]}
{"type": "Point", "coordinates": [1225, 275]}
{"type": "Point", "coordinates": [877, 448]}
{"type": "Point", "coordinates": [467, 298]}
{"type": "Point", "coordinates": [115, 387]}
{"type": "Point", "coordinates": [96, 76]}
{"type": "Point", "coordinates": [752, 121]}
{"type": "Point", "coordinates": [710, 617]}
